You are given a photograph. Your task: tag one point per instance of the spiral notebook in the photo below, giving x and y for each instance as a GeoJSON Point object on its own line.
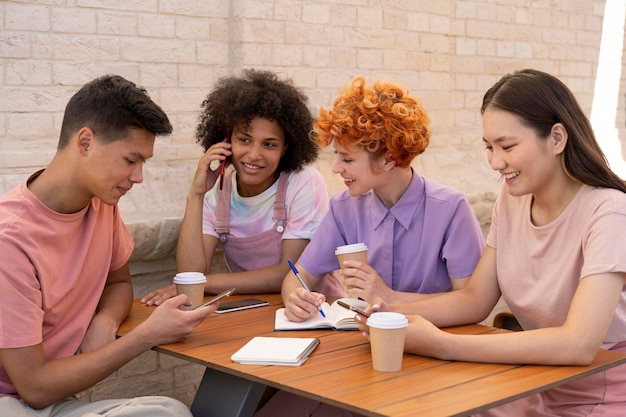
{"type": "Point", "coordinates": [286, 351]}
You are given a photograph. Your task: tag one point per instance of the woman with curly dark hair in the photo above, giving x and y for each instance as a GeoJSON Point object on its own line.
{"type": "Point", "coordinates": [265, 206]}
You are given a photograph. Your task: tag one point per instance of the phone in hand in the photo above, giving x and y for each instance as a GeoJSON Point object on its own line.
{"type": "Point", "coordinates": [223, 167]}
{"type": "Point", "coordinates": [353, 308]}
{"type": "Point", "coordinates": [241, 305]}
{"type": "Point", "coordinates": [218, 297]}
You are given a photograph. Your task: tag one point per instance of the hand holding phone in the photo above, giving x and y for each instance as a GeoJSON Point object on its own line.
{"type": "Point", "coordinates": [218, 297]}
{"type": "Point", "coordinates": [353, 308]}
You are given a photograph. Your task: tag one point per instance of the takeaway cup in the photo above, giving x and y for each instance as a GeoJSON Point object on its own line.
{"type": "Point", "coordinates": [353, 252]}
{"type": "Point", "coordinates": [387, 340]}
{"type": "Point", "coordinates": [191, 284]}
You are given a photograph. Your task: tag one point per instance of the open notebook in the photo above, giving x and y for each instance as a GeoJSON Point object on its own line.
{"type": "Point", "coordinates": [286, 351]}
{"type": "Point", "coordinates": [337, 317]}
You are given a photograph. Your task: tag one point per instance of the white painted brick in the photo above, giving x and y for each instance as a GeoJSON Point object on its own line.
{"type": "Point", "coordinates": [200, 28]}
{"type": "Point", "coordinates": [81, 72]}
{"type": "Point", "coordinates": [255, 54]}
{"type": "Point", "coordinates": [285, 55]}
{"type": "Point", "coordinates": [369, 17]}
{"type": "Point", "coordinates": [157, 50]}
{"type": "Point", "coordinates": [73, 20]}
{"type": "Point", "coordinates": [62, 47]}
{"type": "Point", "coordinates": [315, 56]}
{"type": "Point", "coordinates": [465, 10]}
{"type": "Point", "coordinates": [132, 5]}
{"type": "Point", "coordinates": [264, 31]}
{"type": "Point", "coordinates": [117, 23]}
{"type": "Point", "coordinates": [343, 15]}
{"type": "Point", "coordinates": [156, 26]}
{"type": "Point", "coordinates": [315, 13]}
{"type": "Point", "coordinates": [19, 72]}
{"type": "Point", "coordinates": [33, 99]}
{"type": "Point", "coordinates": [343, 58]}
{"type": "Point", "coordinates": [27, 17]}
{"type": "Point", "coordinates": [288, 10]}
{"type": "Point", "coordinates": [206, 8]}
{"type": "Point", "coordinates": [312, 35]}
{"type": "Point", "coordinates": [260, 9]}
{"type": "Point", "coordinates": [212, 53]}
{"type": "Point", "coordinates": [394, 20]}
{"type": "Point", "coordinates": [439, 24]}
{"type": "Point", "coordinates": [465, 47]}
{"type": "Point", "coordinates": [15, 45]}
{"type": "Point", "coordinates": [369, 59]}
{"type": "Point", "coordinates": [30, 125]}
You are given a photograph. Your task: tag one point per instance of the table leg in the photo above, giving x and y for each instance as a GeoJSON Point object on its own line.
{"type": "Point", "coordinates": [225, 395]}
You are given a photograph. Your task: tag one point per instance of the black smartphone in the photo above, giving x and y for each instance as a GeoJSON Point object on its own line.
{"type": "Point", "coordinates": [241, 305]}
{"type": "Point", "coordinates": [218, 297]}
{"type": "Point", "coordinates": [353, 308]}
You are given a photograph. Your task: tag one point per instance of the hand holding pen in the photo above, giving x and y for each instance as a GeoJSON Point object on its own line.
{"type": "Point", "coordinates": [297, 274]}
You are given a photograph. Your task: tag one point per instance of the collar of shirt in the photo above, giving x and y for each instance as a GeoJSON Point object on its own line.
{"type": "Point", "coordinates": [404, 210]}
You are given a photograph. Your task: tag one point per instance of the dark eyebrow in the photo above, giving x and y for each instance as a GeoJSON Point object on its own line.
{"type": "Point", "coordinates": [140, 156]}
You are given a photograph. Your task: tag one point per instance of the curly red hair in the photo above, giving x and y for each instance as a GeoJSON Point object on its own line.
{"type": "Point", "coordinates": [383, 119]}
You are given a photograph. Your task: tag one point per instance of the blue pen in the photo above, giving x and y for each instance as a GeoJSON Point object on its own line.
{"type": "Point", "coordinates": [295, 271]}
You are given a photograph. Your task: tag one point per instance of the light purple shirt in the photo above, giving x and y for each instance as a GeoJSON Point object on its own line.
{"type": "Point", "coordinates": [435, 236]}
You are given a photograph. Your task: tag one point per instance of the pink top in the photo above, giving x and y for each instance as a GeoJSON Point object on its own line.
{"type": "Point", "coordinates": [539, 268]}
{"type": "Point", "coordinates": [53, 268]}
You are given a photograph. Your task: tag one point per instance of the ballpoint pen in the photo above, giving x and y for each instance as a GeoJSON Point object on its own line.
{"type": "Point", "coordinates": [295, 271]}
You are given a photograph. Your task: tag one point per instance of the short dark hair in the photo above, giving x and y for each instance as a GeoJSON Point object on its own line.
{"type": "Point", "coordinates": [237, 100]}
{"type": "Point", "coordinates": [110, 105]}
{"type": "Point", "coordinates": [540, 100]}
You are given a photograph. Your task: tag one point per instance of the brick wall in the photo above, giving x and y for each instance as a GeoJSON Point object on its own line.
{"type": "Point", "coordinates": [446, 52]}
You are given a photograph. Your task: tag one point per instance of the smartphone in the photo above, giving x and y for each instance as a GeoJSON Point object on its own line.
{"type": "Point", "coordinates": [226, 140]}
{"type": "Point", "coordinates": [353, 308]}
{"type": "Point", "coordinates": [217, 298]}
{"type": "Point", "coordinates": [241, 305]}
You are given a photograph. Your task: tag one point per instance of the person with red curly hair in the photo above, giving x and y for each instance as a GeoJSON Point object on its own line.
{"type": "Point", "coordinates": [422, 237]}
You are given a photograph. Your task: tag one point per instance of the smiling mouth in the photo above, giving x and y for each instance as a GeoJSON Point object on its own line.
{"type": "Point", "coordinates": [250, 166]}
{"type": "Point", "coordinates": [510, 175]}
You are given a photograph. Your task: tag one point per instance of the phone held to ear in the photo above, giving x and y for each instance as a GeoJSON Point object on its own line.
{"type": "Point", "coordinates": [218, 297]}
{"type": "Point", "coordinates": [223, 167]}
{"type": "Point", "coordinates": [241, 305]}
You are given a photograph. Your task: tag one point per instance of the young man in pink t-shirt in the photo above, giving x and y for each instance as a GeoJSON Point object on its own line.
{"type": "Point", "coordinates": [64, 275]}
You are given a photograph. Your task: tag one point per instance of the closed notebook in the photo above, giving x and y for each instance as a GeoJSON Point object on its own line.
{"type": "Point", "coordinates": [286, 351]}
{"type": "Point", "coordinates": [337, 317]}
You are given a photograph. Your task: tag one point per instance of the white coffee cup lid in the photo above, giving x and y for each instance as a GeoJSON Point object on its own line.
{"type": "Point", "coordinates": [387, 320]}
{"type": "Point", "coordinates": [355, 247]}
{"type": "Point", "coordinates": [189, 278]}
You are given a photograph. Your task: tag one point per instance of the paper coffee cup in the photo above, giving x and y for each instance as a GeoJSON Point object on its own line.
{"type": "Point", "coordinates": [387, 340]}
{"type": "Point", "coordinates": [353, 252]}
{"type": "Point", "coordinates": [191, 284]}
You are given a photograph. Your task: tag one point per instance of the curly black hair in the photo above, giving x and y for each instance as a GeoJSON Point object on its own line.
{"type": "Point", "coordinates": [237, 100]}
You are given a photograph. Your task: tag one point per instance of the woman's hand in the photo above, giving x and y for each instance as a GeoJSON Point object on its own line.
{"type": "Point", "coordinates": [364, 282]}
{"type": "Point", "coordinates": [302, 304]}
{"type": "Point", "coordinates": [157, 297]}
{"type": "Point", "coordinates": [205, 177]}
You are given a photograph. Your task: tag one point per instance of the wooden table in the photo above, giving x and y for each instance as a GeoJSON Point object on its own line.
{"type": "Point", "coordinates": [340, 372]}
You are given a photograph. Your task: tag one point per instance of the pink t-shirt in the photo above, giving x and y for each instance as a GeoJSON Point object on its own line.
{"type": "Point", "coordinates": [53, 268]}
{"type": "Point", "coordinates": [539, 268]}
